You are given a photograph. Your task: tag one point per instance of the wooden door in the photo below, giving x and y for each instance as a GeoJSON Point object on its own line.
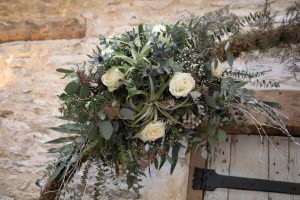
{"type": "Point", "coordinates": [273, 158]}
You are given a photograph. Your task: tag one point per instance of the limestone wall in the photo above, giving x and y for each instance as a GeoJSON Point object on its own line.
{"type": "Point", "coordinates": [115, 16]}
{"type": "Point", "coordinates": [29, 83]}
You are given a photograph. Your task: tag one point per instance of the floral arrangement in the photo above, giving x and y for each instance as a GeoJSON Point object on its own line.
{"type": "Point", "coordinates": [147, 93]}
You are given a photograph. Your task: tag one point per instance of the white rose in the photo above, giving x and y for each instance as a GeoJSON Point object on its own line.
{"type": "Point", "coordinates": [111, 78]}
{"type": "Point", "coordinates": [181, 84]}
{"type": "Point", "coordinates": [153, 131]}
{"type": "Point", "coordinates": [218, 71]}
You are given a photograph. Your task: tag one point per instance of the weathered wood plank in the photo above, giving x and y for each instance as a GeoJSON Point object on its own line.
{"type": "Point", "coordinates": [290, 101]}
{"type": "Point", "coordinates": [249, 158]}
{"type": "Point", "coordinates": [195, 161]}
{"type": "Point", "coordinates": [219, 160]}
{"type": "Point", "coordinates": [279, 163]}
{"type": "Point", "coordinates": [294, 165]}
{"type": "Point", "coordinates": [62, 29]}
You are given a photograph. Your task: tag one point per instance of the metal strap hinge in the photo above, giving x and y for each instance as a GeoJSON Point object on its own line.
{"type": "Point", "coordinates": [209, 180]}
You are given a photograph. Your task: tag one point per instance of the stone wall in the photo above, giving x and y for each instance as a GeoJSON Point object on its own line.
{"type": "Point", "coordinates": [115, 16]}
{"type": "Point", "coordinates": [29, 83]}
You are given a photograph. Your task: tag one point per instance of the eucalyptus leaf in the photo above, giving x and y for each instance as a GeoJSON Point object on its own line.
{"type": "Point", "coordinates": [66, 71]}
{"type": "Point", "coordinates": [221, 135]}
{"type": "Point", "coordinates": [210, 130]}
{"type": "Point", "coordinates": [70, 162]}
{"type": "Point", "coordinates": [210, 101]}
{"type": "Point", "coordinates": [62, 140]}
{"type": "Point", "coordinates": [106, 129]}
{"type": "Point", "coordinates": [83, 116]}
{"type": "Point", "coordinates": [68, 128]}
{"type": "Point", "coordinates": [127, 113]}
{"type": "Point", "coordinates": [72, 88]}
{"type": "Point", "coordinates": [212, 140]}
{"type": "Point", "coordinates": [101, 115]}
{"type": "Point", "coordinates": [195, 95]}
{"type": "Point", "coordinates": [226, 45]}
{"type": "Point", "coordinates": [115, 125]}
{"type": "Point", "coordinates": [273, 104]}
{"type": "Point", "coordinates": [55, 174]}
{"type": "Point", "coordinates": [84, 91]}
{"type": "Point", "coordinates": [92, 132]}
{"type": "Point", "coordinates": [230, 59]}
{"type": "Point", "coordinates": [60, 149]}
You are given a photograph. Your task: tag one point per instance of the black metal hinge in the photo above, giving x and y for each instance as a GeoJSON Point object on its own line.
{"type": "Point", "coordinates": [209, 180]}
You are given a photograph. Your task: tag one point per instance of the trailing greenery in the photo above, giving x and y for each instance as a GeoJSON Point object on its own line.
{"type": "Point", "coordinates": [145, 94]}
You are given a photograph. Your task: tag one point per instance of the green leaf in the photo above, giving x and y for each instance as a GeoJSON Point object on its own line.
{"type": "Point", "coordinates": [72, 88]}
{"type": "Point", "coordinates": [163, 158]}
{"type": "Point", "coordinates": [175, 151]}
{"type": "Point", "coordinates": [68, 128]}
{"type": "Point", "coordinates": [61, 149]}
{"type": "Point", "coordinates": [170, 63]}
{"type": "Point", "coordinates": [195, 95]}
{"type": "Point", "coordinates": [141, 28]}
{"type": "Point", "coordinates": [115, 125]}
{"type": "Point", "coordinates": [92, 132]}
{"type": "Point", "coordinates": [227, 45]}
{"type": "Point", "coordinates": [55, 174]}
{"type": "Point", "coordinates": [62, 140]}
{"type": "Point", "coordinates": [210, 101]}
{"type": "Point", "coordinates": [106, 129]}
{"type": "Point", "coordinates": [221, 135]}
{"type": "Point", "coordinates": [212, 140]}
{"type": "Point", "coordinates": [66, 71]}
{"type": "Point", "coordinates": [273, 104]}
{"type": "Point", "coordinates": [83, 116]}
{"type": "Point", "coordinates": [230, 59]}
{"type": "Point", "coordinates": [84, 91]}
{"type": "Point", "coordinates": [210, 130]}
{"type": "Point", "coordinates": [101, 115]}
{"type": "Point", "coordinates": [156, 163]}
{"type": "Point", "coordinates": [70, 162]}
{"type": "Point", "coordinates": [125, 58]}
{"type": "Point", "coordinates": [127, 113]}
{"type": "Point", "coordinates": [134, 91]}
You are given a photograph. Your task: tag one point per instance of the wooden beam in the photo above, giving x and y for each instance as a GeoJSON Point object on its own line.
{"type": "Point", "coordinates": [61, 29]}
{"type": "Point", "coordinates": [290, 102]}
{"type": "Point", "coordinates": [261, 40]}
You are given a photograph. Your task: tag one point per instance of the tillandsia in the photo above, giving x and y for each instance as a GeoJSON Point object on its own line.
{"type": "Point", "coordinates": [147, 93]}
